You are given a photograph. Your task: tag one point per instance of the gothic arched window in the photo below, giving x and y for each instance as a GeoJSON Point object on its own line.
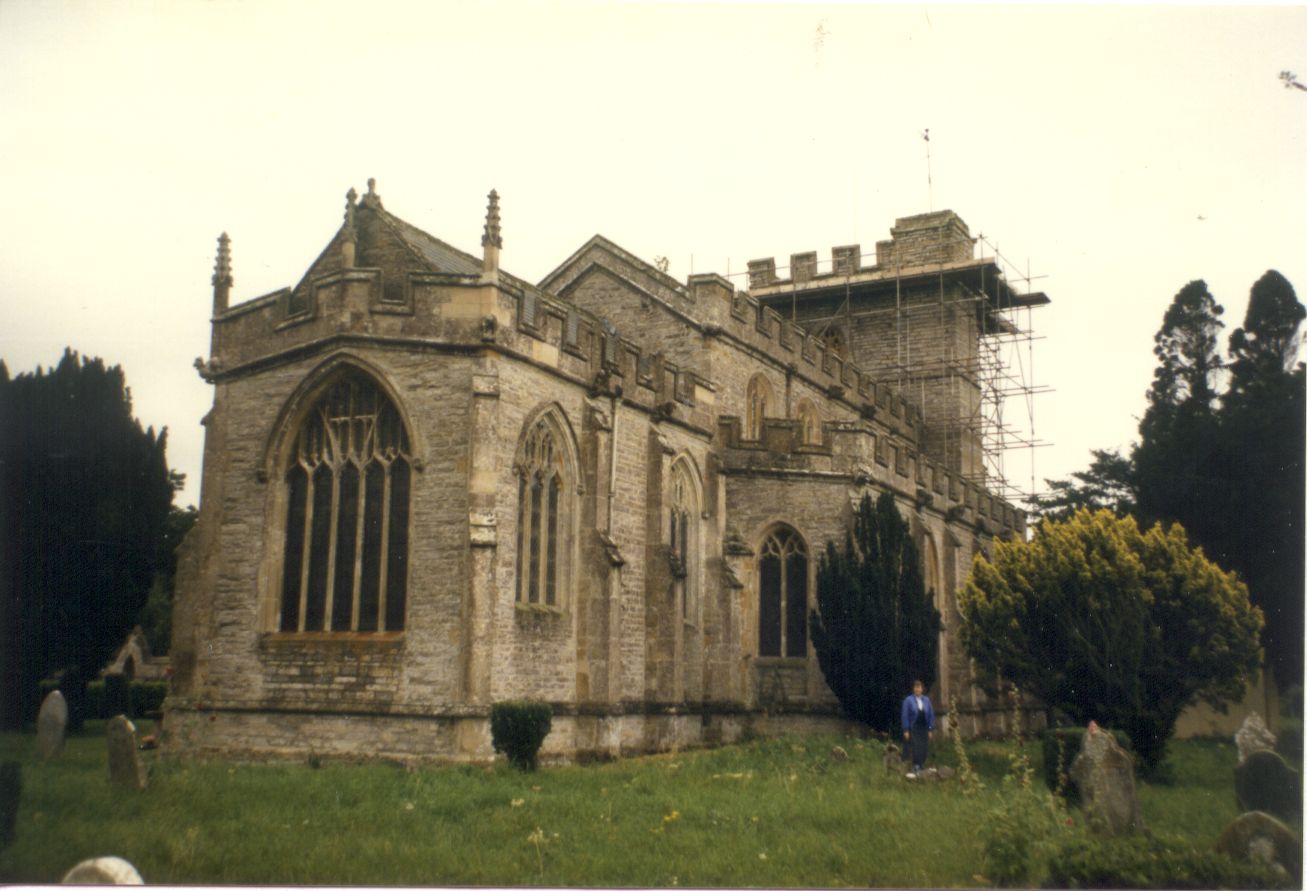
{"type": "Point", "coordinates": [759, 401]}
{"type": "Point", "coordinates": [683, 536]}
{"type": "Point", "coordinates": [345, 565]}
{"type": "Point", "coordinates": [783, 594]}
{"type": "Point", "coordinates": [542, 486]}
{"type": "Point", "coordinates": [833, 339]}
{"type": "Point", "coordinates": [809, 422]}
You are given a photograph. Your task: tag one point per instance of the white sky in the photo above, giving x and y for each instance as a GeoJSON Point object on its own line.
{"type": "Point", "coordinates": [1121, 151]}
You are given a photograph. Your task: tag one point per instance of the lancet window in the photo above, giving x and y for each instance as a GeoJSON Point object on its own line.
{"type": "Point", "coordinates": [760, 401]}
{"type": "Point", "coordinates": [541, 535]}
{"type": "Point", "coordinates": [783, 595]}
{"type": "Point", "coordinates": [683, 535]}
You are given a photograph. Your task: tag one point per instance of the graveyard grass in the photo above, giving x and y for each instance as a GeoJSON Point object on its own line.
{"type": "Point", "coordinates": [762, 813]}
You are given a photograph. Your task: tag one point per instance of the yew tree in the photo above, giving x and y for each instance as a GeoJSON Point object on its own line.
{"type": "Point", "coordinates": [876, 628]}
{"type": "Point", "coordinates": [86, 496]}
{"type": "Point", "coordinates": [1106, 622]}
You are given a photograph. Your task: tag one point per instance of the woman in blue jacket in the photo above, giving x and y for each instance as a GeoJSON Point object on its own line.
{"type": "Point", "coordinates": [918, 717]}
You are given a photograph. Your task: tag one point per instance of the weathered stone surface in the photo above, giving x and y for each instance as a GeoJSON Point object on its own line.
{"type": "Point", "coordinates": [1253, 736]}
{"type": "Point", "coordinates": [1105, 775]}
{"type": "Point", "coordinates": [664, 651]}
{"type": "Point", "coordinates": [1266, 782]}
{"type": "Point", "coordinates": [838, 753]}
{"type": "Point", "coordinates": [103, 871]}
{"type": "Point", "coordinates": [125, 768]}
{"type": "Point", "coordinates": [946, 773]}
{"type": "Point", "coordinates": [1257, 835]}
{"type": "Point", "coordinates": [51, 725]}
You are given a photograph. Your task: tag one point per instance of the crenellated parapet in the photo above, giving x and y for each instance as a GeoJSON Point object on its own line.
{"type": "Point", "coordinates": [383, 283]}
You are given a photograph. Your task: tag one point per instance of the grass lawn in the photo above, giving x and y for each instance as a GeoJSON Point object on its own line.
{"type": "Point", "coordinates": [764, 813]}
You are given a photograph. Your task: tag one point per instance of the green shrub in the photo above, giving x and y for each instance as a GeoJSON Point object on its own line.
{"type": "Point", "coordinates": [117, 696]}
{"type": "Point", "coordinates": [1151, 862]}
{"type": "Point", "coordinates": [1061, 745]}
{"type": "Point", "coordinates": [148, 696]}
{"type": "Point", "coordinates": [518, 728]}
{"type": "Point", "coordinates": [1289, 740]}
{"type": "Point", "coordinates": [97, 703]}
{"type": "Point", "coordinates": [11, 789]}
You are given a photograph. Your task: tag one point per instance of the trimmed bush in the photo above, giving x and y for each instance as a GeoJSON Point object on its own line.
{"type": "Point", "coordinates": [1151, 862]}
{"type": "Point", "coordinates": [117, 696]}
{"type": "Point", "coordinates": [1069, 740]}
{"type": "Point", "coordinates": [148, 697]}
{"type": "Point", "coordinates": [518, 729]}
{"type": "Point", "coordinates": [97, 703]}
{"type": "Point", "coordinates": [11, 789]}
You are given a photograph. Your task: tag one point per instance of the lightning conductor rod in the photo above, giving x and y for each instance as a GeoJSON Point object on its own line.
{"type": "Point", "coordinates": [930, 188]}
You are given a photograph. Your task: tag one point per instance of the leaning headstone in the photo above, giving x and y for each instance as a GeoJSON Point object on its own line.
{"type": "Point", "coordinates": [1266, 782]}
{"type": "Point", "coordinates": [1105, 776]}
{"type": "Point", "coordinates": [125, 768]}
{"type": "Point", "coordinates": [1253, 736]}
{"type": "Point", "coordinates": [51, 725]}
{"type": "Point", "coordinates": [1257, 836]}
{"type": "Point", "coordinates": [103, 871]}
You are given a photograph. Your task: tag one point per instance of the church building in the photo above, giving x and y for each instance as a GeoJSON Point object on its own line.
{"type": "Point", "coordinates": [430, 486]}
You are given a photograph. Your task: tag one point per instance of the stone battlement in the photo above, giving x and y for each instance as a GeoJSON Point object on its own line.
{"type": "Point", "coordinates": [928, 239]}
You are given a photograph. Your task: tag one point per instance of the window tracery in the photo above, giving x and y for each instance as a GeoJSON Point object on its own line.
{"type": "Point", "coordinates": [348, 479]}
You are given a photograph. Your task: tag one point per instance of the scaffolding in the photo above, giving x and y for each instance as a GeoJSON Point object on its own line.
{"type": "Point", "coordinates": [973, 378]}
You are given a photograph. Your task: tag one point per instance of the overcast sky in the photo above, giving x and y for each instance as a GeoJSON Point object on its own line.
{"type": "Point", "coordinates": [1118, 152]}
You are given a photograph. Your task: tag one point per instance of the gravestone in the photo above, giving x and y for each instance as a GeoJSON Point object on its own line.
{"type": "Point", "coordinates": [1257, 836]}
{"type": "Point", "coordinates": [51, 725]}
{"type": "Point", "coordinates": [1266, 782]}
{"type": "Point", "coordinates": [1105, 775]}
{"type": "Point", "coordinates": [125, 768]}
{"type": "Point", "coordinates": [103, 871]}
{"type": "Point", "coordinates": [839, 753]}
{"type": "Point", "coordinates": [1253, 736]}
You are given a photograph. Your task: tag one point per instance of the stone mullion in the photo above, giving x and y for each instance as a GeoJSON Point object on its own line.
{"type": "Point", "coordinates": [307, 559]}
{"type": "Point", "coordinates": [385, 549]}
{"type": "Point", "coordinates": [358, 549]}
{"type": "Point", "coordinates": [333, 534]}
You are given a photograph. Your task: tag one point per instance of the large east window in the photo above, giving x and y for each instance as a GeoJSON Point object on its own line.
{"type": "Point", "coordinates": [347, 490]}
{"type": "Point", "coordinates": [783, 595]}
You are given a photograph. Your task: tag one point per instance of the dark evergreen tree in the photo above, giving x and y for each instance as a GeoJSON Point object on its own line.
{"type": "Point", "coordinates": [1229, 468]}
{"type": "Point", "coordinates": [876, 628]}
{"type": "Point", "coordinates": [1108, 484]}
{"type": "Point", "coordinates": [86, 496]}
{"type": "Point", "coordinates": [1178, 470]}
{"type": "Point", "coordinates": [156, 616]}
{"type": "Point", "coordinates": [1263, 438]}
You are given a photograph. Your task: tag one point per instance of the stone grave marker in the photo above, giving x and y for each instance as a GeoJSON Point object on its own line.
{"type": "Point", "coordinates": [125, 768]}
{"type": "Point", "coordinates": [103, 871]}
{"type": "Point", "coordinates": [51, 725]}
{"type": "Point", "coordinates": [1259, 836]}
{"type": "Point", "coordinates": [1105, 776]}
{"type": "Point", "coordinates": [1266, 782]}
{"type": "Point", "coordinates": [839, 753]}
{"type": "Point", "coordinates": [1253, 736]}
